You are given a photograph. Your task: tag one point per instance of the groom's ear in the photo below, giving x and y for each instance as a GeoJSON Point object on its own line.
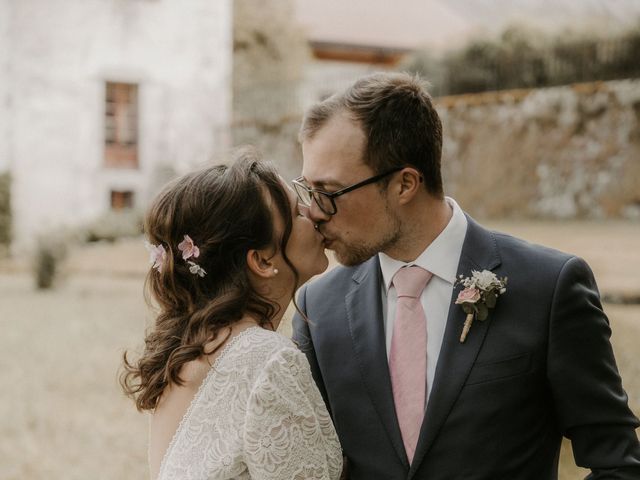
{"type": "Point", "coordinates": [260, 263]}
{"type": "Point", "coordinates": [408, 184]}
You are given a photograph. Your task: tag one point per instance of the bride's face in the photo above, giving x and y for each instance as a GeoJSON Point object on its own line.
{"type": "Point", "coordinates": [305, 247]}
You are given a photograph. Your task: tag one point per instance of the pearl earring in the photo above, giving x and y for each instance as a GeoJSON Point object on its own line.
{"type": "Point", "coordinates": [275, 271]}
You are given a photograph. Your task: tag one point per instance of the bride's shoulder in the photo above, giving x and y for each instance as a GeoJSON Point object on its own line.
{"type": "Point", "coordinates": [267, 349]}
{"type": "Point", "coordinates": [267, 342]}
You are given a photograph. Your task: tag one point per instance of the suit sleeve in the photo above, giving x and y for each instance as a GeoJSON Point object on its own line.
{"type": "Point", "coordinates": [591, 405]}
{"type": "Point", "coordinates": [302, 338]}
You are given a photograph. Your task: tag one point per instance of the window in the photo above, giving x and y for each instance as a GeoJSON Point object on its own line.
{"type": "Point", "coordinates": [121, 200]}
{"type": "Point", "coordinates": [121, 125]}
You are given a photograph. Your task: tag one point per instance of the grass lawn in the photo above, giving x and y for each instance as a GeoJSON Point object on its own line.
{"type": "Point", "coordinates": [62, 414]}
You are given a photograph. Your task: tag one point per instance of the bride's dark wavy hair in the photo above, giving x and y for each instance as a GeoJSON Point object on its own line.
{"type": "Point", "coordinates": [224, 210]}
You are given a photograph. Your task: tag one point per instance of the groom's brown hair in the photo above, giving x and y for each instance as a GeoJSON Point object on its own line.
{"type": "Point", "coordinates": [397, 116]}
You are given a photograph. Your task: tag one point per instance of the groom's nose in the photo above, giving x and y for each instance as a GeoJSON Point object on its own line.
{"type": "Point", "coordinates": [315, 213]}
{"type": "Point", "coordinates": [304, 210]}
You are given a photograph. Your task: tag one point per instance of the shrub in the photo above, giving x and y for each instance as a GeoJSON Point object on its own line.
{"type": "Point", "coordinates": [51, 250]}
{"type": "Point", "coordinates": [113, 225]}
{"type": "Point", "coordinates": [523, 58]}
{"type": "Point", "coordinates": [5, 209]}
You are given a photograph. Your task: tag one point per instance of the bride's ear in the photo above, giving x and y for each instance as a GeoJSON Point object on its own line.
{"type": "Point", "coordinates": [260, 263]}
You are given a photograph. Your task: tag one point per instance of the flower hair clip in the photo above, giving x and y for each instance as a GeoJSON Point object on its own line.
{"type": "Point", "coordinates": [190, 250]}
{"type": "Point", "coordinates": [158, 255]}
{"type": "Point", "coordinates": [196, 269]}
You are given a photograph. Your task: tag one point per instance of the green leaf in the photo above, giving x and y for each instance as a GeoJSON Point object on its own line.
{"type": "Point", "coordinates": [483, 312]}
{"type": "Point", "coordinates": [490, 299]}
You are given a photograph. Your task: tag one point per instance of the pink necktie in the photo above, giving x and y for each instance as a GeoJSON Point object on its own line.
{"type": "Point", "coordinates": [408, 356]}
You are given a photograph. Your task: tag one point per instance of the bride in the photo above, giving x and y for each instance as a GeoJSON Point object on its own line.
{"type": "Point", "coordinates": [229, 397]}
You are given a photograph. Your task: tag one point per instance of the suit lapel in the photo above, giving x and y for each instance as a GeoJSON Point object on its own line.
{"type": "Point", "coordinates": [456, 359]}
{"type": "Point", "coordinates": [365, 319]}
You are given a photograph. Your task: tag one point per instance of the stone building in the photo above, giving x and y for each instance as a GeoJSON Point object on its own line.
{"type": "Point", "coordinates": [269, 58]}
{"type": "Point", "coordinates": [99, 97]}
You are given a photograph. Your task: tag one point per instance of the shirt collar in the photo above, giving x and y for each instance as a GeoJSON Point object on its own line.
{"type": "Point", "coordinates": [441, 257]}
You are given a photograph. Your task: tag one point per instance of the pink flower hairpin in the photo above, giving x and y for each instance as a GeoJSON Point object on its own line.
{"type": "Point", "coordinates": [157, 255]}
{"type": "Point", "coordinates": [190, 250]}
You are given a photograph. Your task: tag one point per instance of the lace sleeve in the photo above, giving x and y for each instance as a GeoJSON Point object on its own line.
{"type": "Point", "coordinates": [288, 432]}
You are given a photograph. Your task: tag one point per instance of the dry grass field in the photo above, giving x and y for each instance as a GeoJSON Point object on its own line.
{"type": "Point", "coordinates": [62, 415]}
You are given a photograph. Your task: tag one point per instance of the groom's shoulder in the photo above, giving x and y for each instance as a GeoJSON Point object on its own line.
{"type": "Point", "coordinates": [477, 233]}
{"type": "Point", "coordinates": [516, 249]}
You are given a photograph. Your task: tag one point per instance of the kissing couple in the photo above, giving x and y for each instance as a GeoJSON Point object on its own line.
{"type": "Point", "coordinates": [438, 350]}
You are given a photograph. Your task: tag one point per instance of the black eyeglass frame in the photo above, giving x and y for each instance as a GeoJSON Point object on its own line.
{"type": "Point", "coordinates": [297, 183]}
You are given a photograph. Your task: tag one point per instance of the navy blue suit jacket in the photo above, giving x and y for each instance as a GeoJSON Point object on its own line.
{"type": "Point", "coordinates": [539, 368]}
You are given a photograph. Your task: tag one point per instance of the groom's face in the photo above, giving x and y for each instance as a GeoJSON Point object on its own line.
{"type": "Point", "coordinates": [364, 223]}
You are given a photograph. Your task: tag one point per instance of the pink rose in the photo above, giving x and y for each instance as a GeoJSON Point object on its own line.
{"type": "Point", "coordinates": [188, 248]}
{"type": "Point", "coordinates": [468, 295]}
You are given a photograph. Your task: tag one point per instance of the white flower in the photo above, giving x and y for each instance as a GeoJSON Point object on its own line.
{"type": "Point", "coordinates": [196, 269]}
{"type": "Point", "coordinates": [485, 279]}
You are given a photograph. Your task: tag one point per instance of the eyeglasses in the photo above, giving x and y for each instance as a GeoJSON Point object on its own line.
{"type": "Point", "coordinates": [326, 200]}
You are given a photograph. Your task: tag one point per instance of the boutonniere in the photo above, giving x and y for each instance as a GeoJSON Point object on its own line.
{"type": "Point", "coordinates": [481, 290]}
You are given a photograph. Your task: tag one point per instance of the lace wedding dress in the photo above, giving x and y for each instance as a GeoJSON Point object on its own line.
{"type": "Point", "coordinates": [257, 415]}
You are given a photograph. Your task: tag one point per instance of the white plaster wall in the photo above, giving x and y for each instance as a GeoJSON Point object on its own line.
{"type": "Point", "coordinates": [4, 85]}
{"type": "Point", "coordinates": [179, 52]}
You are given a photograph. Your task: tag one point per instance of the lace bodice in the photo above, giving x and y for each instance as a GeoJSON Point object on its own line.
{"type": "Point", "coordinates": [257, 415]}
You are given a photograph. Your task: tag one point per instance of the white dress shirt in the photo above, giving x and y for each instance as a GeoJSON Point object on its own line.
{"type": "Point", "coordinates": [440, 258]}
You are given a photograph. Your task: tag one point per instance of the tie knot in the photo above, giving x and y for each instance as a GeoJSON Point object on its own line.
{"type": "Point", "coordinates": [410, 281]}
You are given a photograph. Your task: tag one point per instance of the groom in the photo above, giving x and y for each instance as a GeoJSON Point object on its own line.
{"type": "Point", "coordinates": [408, 398]}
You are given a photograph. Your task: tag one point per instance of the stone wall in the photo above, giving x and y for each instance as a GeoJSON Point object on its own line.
{"type": "Point", "coordinates": [563, 152]}
{"type": "Point", "coordinates": [269, 56]}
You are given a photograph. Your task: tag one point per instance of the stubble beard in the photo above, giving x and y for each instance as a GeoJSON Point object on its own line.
{"type": "Point", "coordinates": [350, 255]}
